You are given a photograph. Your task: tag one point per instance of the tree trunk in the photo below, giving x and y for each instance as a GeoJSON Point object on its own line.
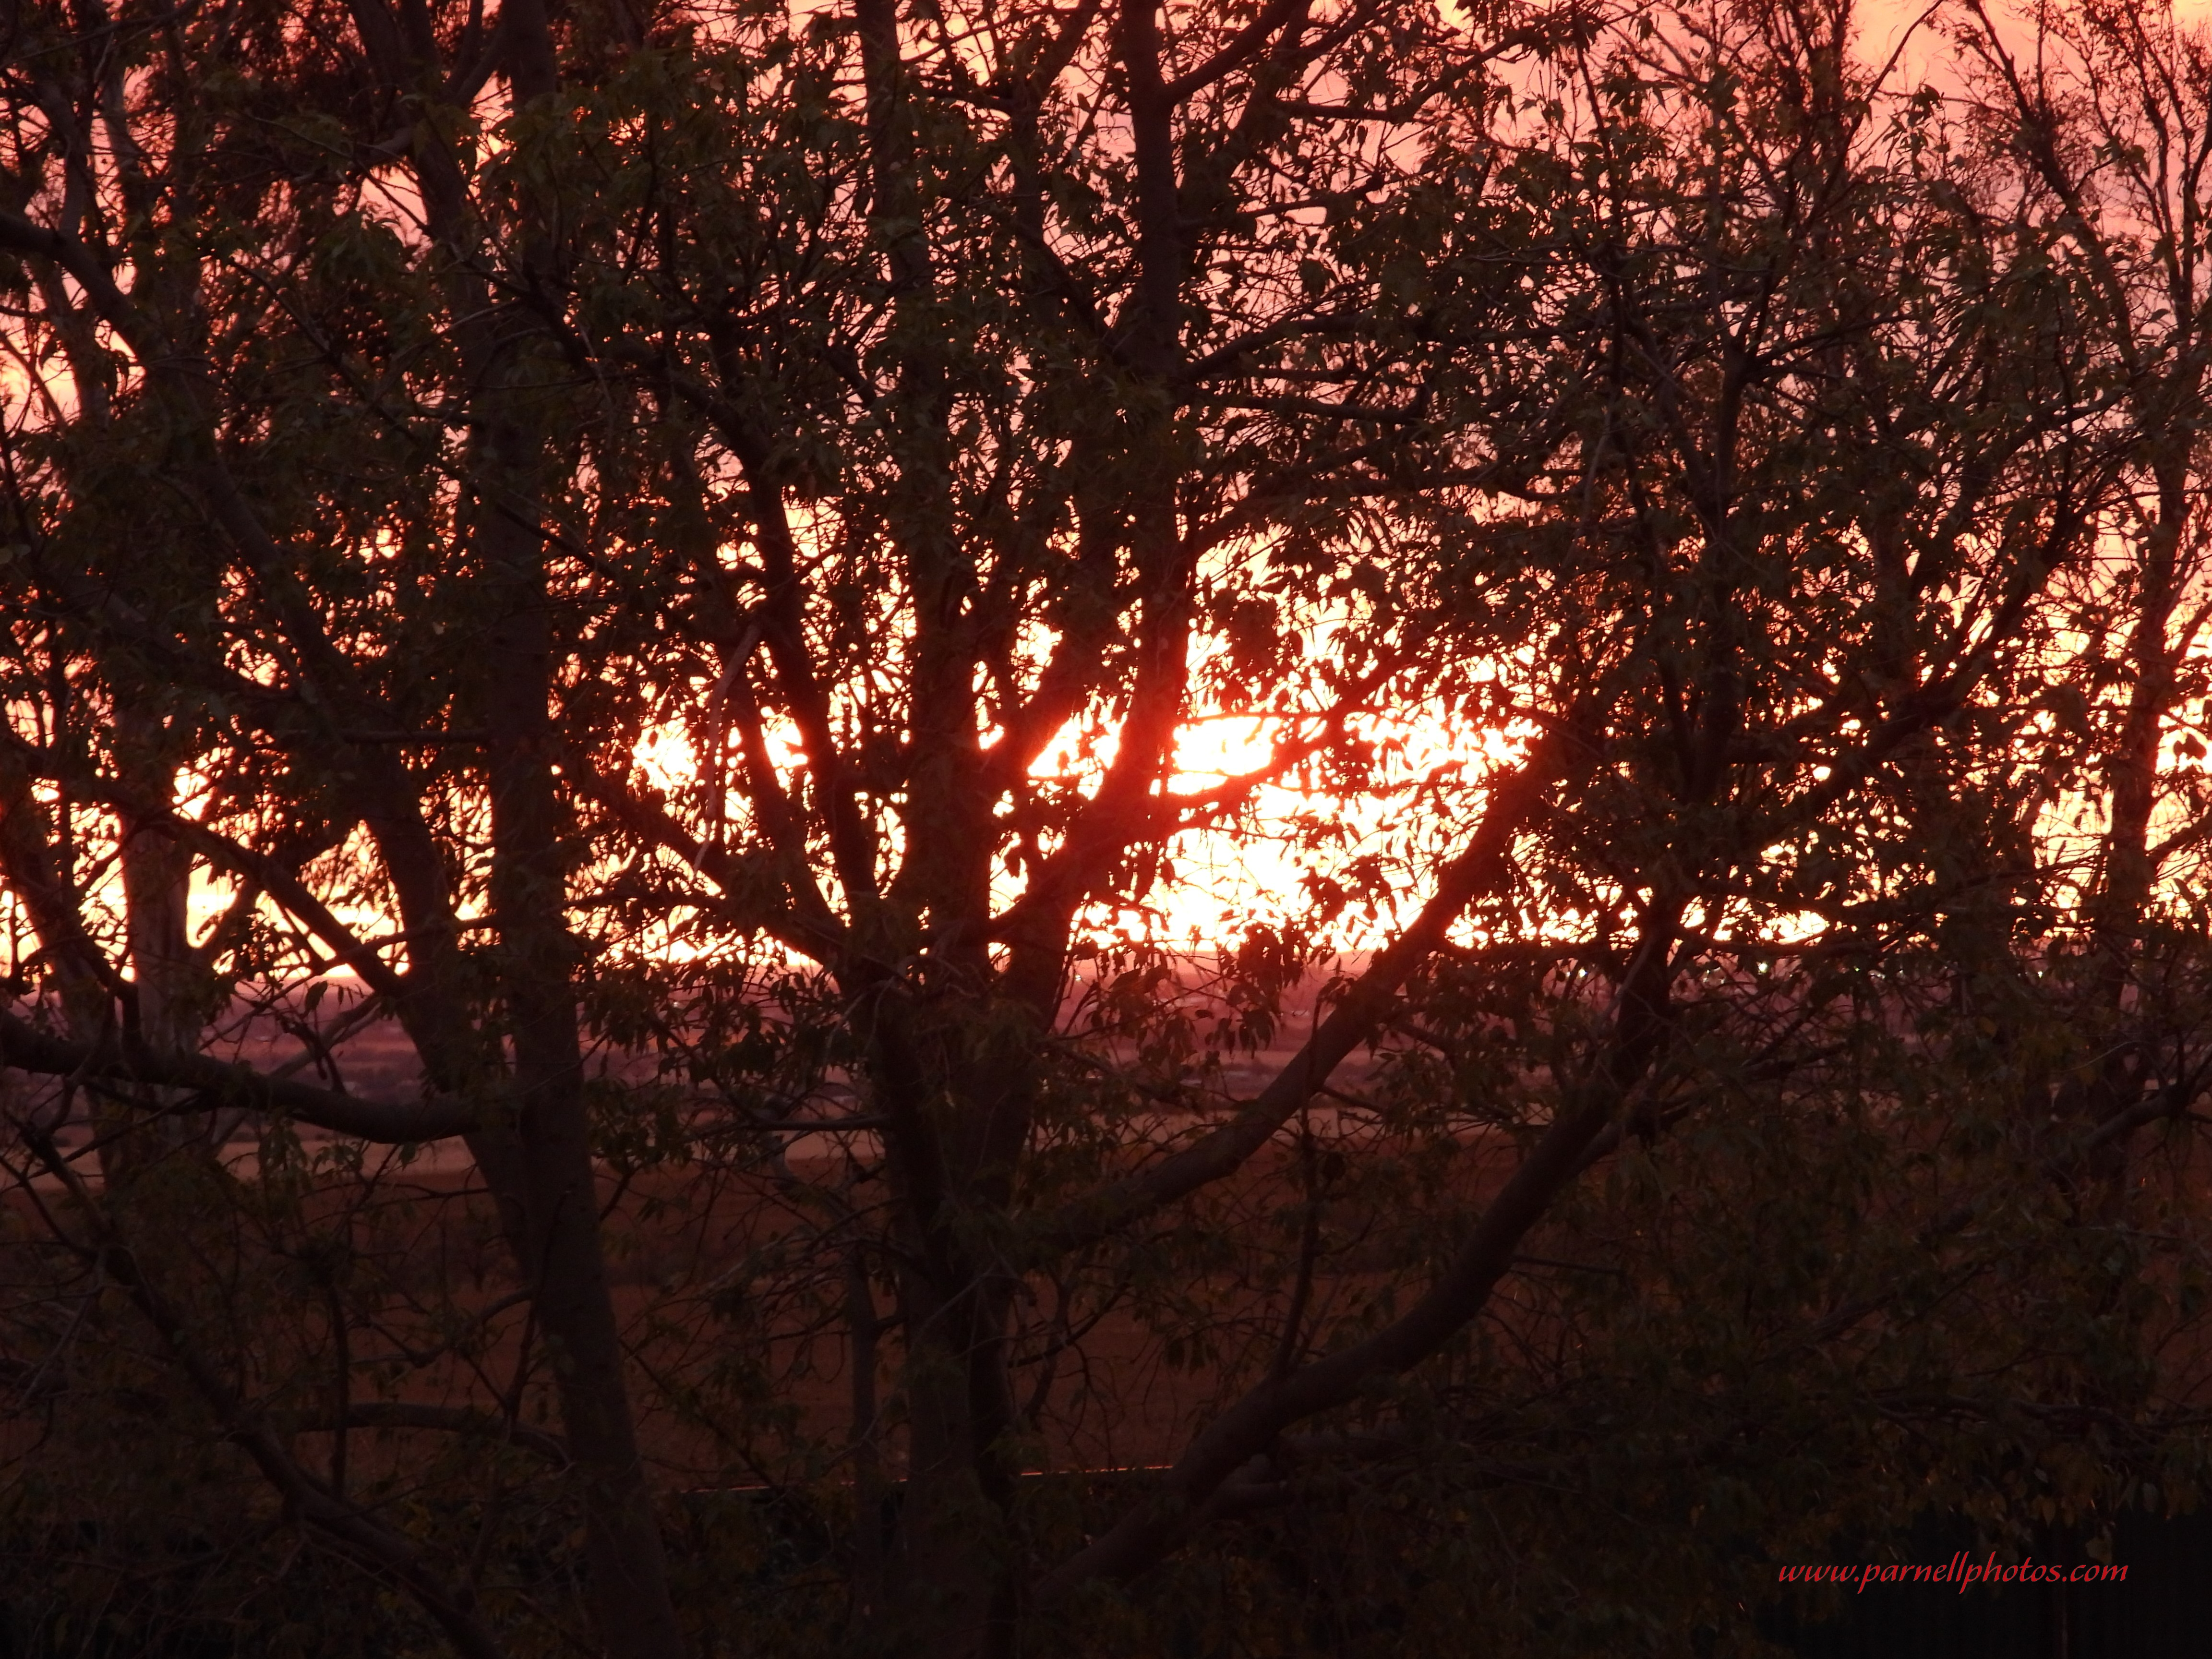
{"type": "Point", "coordinates": [550, 1154]}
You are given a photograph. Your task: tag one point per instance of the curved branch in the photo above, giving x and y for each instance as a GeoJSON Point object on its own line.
{"type": "Point", "coordinates": [1356, 1018]}
{"type": "Point", "coordinates": [1202, 1477]}
{"type": "Point", "coordinates": [218, 1086]}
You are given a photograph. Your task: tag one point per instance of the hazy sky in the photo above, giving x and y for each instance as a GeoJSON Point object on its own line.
{"type": "Point", "coordinates": [1882, 22]}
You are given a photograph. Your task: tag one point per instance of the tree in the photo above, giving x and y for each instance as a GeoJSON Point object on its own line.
{"type": "Point", "coordinates": [2108, 136]}
{"type": "Point", "coordinates": [922, 422]}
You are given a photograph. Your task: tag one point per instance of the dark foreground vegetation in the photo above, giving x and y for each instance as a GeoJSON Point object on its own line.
{"type": "Point", "coordinates": [658, 561]}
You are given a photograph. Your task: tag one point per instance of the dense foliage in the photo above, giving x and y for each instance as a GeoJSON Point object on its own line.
{"type": "Point", "coordinates": [647, 1012]}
